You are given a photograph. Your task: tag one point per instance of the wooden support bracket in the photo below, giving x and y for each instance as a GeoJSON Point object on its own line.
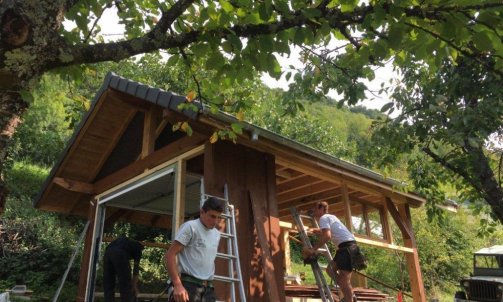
{"type": "Point", "coordinates": [406, 232]}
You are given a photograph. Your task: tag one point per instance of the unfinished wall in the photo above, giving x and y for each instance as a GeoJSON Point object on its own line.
{"type": "Point", "coordinates": [249, 175]}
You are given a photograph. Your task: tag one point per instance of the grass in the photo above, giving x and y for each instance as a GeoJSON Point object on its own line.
{"type": "Point", "coordinates": [298, 268]}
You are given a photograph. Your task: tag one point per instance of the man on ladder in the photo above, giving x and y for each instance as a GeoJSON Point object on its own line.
{"type": "Point", "coordinates": [331, 228]}
{"type": "Point", "coordinates": [196, 245]}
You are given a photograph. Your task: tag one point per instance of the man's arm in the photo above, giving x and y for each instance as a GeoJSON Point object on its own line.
{"type": "Point", "coordinates": [179, 292]}
{"type": "Point", "coordinates": [322, 239]}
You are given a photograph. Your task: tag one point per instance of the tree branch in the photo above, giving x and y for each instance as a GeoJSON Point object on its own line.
{"type": "Point", "coordinates": [168, 17]}
{"type": "Point", "coordinates": [449, 166]}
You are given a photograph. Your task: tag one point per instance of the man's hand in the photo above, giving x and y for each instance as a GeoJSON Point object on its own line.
{"type": "Point", "coordinates": [315, 231]}
{"type": "Point", "coordinates": [180, 293]}
{"type": "Point", "coordinates": [307, 252]}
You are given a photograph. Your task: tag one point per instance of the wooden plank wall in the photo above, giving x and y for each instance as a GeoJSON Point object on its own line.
{"type": "Point", "coordinates": [248, 172]}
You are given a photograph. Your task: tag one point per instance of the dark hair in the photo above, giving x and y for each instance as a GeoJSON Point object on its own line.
{"type": "Point", "coordinates": [212, 203]}
{"type": "Point", "coordinates": [322, 204]}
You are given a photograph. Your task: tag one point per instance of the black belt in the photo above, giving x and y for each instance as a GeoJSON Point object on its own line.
{"type": "Point", "coordinates": [197, 281]}
{"type": "Point", "coordinates": [346, 244]}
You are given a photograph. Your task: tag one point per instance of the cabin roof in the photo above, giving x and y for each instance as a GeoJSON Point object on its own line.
{"type": "Point", "coordinates": [109, 140]}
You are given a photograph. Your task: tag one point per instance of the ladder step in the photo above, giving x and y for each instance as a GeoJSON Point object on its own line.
{"type": "Point", "coordinates": [225, 279]}
{"type": "Point", "coordinates": [227, 235]}
{"type": "Point", "coordinates": [226, 256]}
{"type": "Point", "coordinates": [227, 216]}
{"type": "Point", "coordinates": [305, 216]}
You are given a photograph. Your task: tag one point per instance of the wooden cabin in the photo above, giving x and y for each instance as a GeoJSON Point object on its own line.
{"type": "Point", "coordinates": [125, 163]}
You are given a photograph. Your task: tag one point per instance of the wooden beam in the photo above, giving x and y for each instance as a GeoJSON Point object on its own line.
{"type": "Point", "coordinates": [260, 218]}
{"type": "Point", "coordinates": [295, 184]}
{"type": "Point", "coordinates": [381, 244]}
{"type": "Point", "coordinates": [415, 276]}
{"type": "Point", "coordinates": [74, 185]}
{"type": "Point", "coordinates": [406, 233]}
{"type": "Point", "coordinates": [311, 189]}
{"type": "Point", "coordinates": [179, 201]}
{"type": "Point", "coordinates": [386, 225]}
{"type": "Point", "coordinates": [367, 222]}
{"type": "Point", "coordinates": [150, 123]}
{"type": "Point", "coordinates": [86, 254]}
{"type": "Point", "coordinates": [347, 207]}
{"type": "Point", "coordinates": [285, 242]}
{"type": "Point", "coordinates": [166, 154]}
{"type": "Point", "coordinates": [144, 243]}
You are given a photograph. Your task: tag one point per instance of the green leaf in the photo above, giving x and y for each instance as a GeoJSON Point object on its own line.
{"type": "Point", "coordinates": [226, 6]}
{"type": "Point", "coordinates": [227, 46]}
{"type": "Point", "coordinates": [387, 107]}
{"type": "Point", "coordinates": [299, 36]}
{"type": "Point", "coordinates": [311, 13]}
{"type": "Point", "coordinates": [265, 10]}
{"type": "Point", "coordinates": [396, 34]}
{"type": "Point", "coordinates": [236, 42]}
{"type": "Point", "coordinates": [482, 41]}
{"type": "Point", "coordinates": [173, 60]}
{"type": "Point", "coordinates": [216, 61]}
{"type": "Point", "coordinates": [237, 128]}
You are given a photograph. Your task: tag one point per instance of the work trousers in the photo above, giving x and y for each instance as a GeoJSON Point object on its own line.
{"type": "Point", "coordinates": [197, 293]}
{"type": "Point", "coordinates": [116, 265]}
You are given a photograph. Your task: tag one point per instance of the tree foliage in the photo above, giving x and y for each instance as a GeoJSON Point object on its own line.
{"type": "Point", "coordinates": [449, 121]}
{"type": "Point", "coordinates": [341, 40]}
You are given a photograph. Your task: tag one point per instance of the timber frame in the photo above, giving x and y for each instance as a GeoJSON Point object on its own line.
{"type": "Point", "coordinates": [127, 135]}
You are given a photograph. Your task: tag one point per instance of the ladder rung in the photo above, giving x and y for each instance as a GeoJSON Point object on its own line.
{"type": "Point", "coordinates": [227, 235]}
{"type": "Point", "coordinates": [226, 256]}
{"type": "Point", "coordinates": [305, 216]}
{"type": "Point", "coordinates": [225, 279]}
{"type": "Point", "coordinates": [223, 215]}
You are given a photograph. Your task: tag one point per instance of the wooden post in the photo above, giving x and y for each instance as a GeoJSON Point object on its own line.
{"type": "Point", "coordinates": [347, 207]}
{"type": "Point", "coordinates": [179, 200]}
{"type": "Point", "coordinates": [285, 241]}
{"type": "Point", "coordinates": [416, 278]}
{"type": "Point", "coordinates": [86, 255]}
{"type": "Point", "coordinates": [152, 117]}
{"type": "Point", "coordinates": [388, 233]}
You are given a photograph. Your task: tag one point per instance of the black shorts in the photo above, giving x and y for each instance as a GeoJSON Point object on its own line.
{"type": "Point", "coordinates": [343, 259]}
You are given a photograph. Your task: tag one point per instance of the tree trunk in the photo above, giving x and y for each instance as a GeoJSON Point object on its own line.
{"type": "Point", "coordinates": [485, 180]}
{"type": "Point", "coordinates": [12, 107]}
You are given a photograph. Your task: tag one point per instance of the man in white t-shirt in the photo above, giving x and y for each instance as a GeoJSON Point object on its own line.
{"type": "Point", "coordinates": [331, 228]}
{"type": "Point", "coordinates": [195, 245]}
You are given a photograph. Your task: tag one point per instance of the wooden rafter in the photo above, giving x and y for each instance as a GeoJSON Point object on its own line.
{"type": "Point", "coordinates": [73, 185]}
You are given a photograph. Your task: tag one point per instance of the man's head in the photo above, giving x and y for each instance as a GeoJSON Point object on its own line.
{"type": "Point", "coordinates": [320, 208]}
{"type": "Point", "coordinates": [210, 212]}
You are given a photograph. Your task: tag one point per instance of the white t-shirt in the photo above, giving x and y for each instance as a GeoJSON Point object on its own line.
{"type": "Point", "coordinates": [200, 248]}
{"type": "Point", "coordinates": [338, 230]}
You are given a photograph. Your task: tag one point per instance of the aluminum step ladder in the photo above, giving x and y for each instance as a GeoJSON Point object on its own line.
{"type": "Point", "coordinates": [232, 256]}
{"type": "Point", "coordinates": [323, 287]}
